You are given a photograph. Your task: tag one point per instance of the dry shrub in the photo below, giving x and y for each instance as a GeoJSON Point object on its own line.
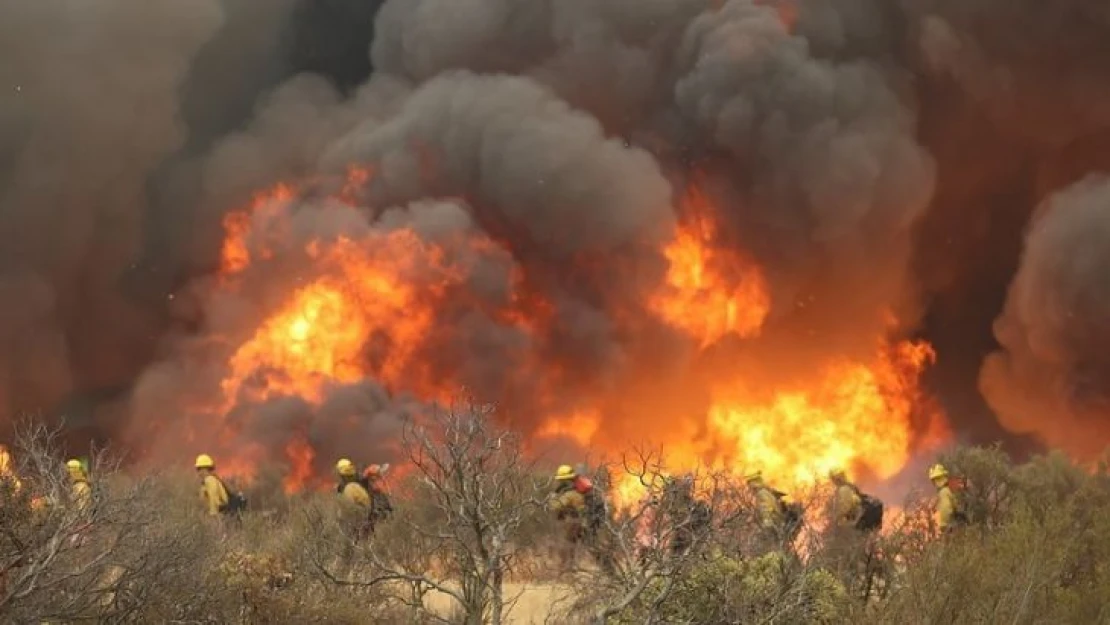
{"type": "Point", "coordinates": [469, 520]}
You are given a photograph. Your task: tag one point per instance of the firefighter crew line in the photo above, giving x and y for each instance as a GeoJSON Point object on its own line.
{"type": "Point", "coordinates": [576, 504]}
{"type": "Point", "coordinates": [778, 519]}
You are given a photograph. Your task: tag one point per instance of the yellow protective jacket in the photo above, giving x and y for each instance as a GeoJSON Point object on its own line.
{"type": "Point", "coordinates": [847, 506]}
{"type": "Point", "coordinates": [568, 504]}
{"type": "Point", "coordinates": [213, 494]}
{"type": "Point", "coordinates": [769, 509]}
{"type": "Point", "coordinates": [946, 508]}
{"type": "Point", "coordinates": [354, 493]}
{"type": "Point", "coordinates": [80, 494]}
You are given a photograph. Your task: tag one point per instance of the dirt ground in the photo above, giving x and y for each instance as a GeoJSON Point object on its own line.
{"type": "Point", "coordinates": [536, 602]}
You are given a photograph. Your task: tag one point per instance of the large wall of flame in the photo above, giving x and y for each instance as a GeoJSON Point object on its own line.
{"type": "Point", "coordinates": [871, 158]}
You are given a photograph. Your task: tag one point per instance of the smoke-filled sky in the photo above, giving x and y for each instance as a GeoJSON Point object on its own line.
{"type": "Point", "coordinates": [926, 158]}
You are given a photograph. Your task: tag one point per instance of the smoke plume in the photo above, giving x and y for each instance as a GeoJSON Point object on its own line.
{"type": "Point", "coordinates": [284, 267]}
{"type": "Point", "coordinates": [1052, 374]}
{"type": "Point", "coordinates": [88, 108]}
{"type": "Point", "coordinates": [1038, 70]}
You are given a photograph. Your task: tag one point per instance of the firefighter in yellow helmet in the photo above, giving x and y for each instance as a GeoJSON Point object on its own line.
{"type": "Point", "coordinates": [213, 493]}
{"type": "Point", "coordinates": [80, 493]}
{"type": "Point", "coordinates": [569, 507]}
{"type": "Point", "coordinates": [949, 514]}
{"type": "Point", "coordinates": [778, 516]}
{"type": "Point", "coordinates": [349, 487]}
{"type": "Point", "coordinates": [355, 498]}
{"type": "Point", "coordinates": [768, 511]}
{"type": "Point", "coordinates": [847, 505]}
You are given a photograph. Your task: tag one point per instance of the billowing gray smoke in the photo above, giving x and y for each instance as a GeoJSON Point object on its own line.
{"type": "Point", "coordinates": [1053, 373]}
{"type": "Point", "coordinates": [1037, 77]}
{"type": "Point", "coordinates": [565, 133]}
{"type": "Point", "coordinates": [1037, 69]}
{"type": "Point", "coordinates": [88, 109]}
{"type": "Point", "coordinates": [541, 152]}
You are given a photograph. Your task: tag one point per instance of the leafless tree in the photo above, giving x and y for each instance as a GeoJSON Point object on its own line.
{"type": "Point", "coordinates": [653, 541]}
{"type": "Point", "coordinates": [109, 561]}
{"type": "Point", "coordinates": [477, 490]}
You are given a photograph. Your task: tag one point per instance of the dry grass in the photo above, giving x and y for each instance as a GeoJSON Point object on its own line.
{"type": "Point", "coordinates": [1038, 552]}
{"type": "Point", "coordinates": [534, 603]}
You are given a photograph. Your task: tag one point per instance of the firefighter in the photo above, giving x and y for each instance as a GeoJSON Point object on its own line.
{"type": "Point", "coordinates": [349, 487]}
{"type": "Point", "coordinates": [355, 497]}
{"type": "Point", "coordinates": [779, 518]}
{"type": "Point", "coordinates": [569, 507]}
{"type": "Point", "coordinates": [847, 505]}
{"type": "Point", "coordinates": [380, 505]}
{"type": "Point", "coordinates": [949, 514]}
{"type": "Point", "coordinates": [213, 494]}
{"type": "Point", "coordinates": [80, 493]}
{"type": "Point", "coordinates": [688, 516]}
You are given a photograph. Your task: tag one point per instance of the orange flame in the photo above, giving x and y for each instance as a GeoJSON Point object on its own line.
{"type": "Point", "coordinates": [577, 426]}
{"type": "Point", "coordinates": [7, 473]}
{"type": "Point", "coordinates": [236, 254]}
{"type": "Point", "coordinates": [300, 456]}
{"type": "Point", "coordinates": [787, 11]}
{"type": "Point", "coordinates": [386, 286]}
{"type": "Point", "coordinates": [320, 334]}
{"type": "Point", "coordinates": [698, 298]}
{"type": "Point", "coordinates": [859, 416]}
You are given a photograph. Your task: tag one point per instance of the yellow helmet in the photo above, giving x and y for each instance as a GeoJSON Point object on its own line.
{"type": "Point", "coordinates": [837, 473]}
{"type": "Point", "coordinates": [345, 467]}
{"type": "Point", "coordinates": [565, 472]}
{"type": "Point", "coordinates": [204, 461]}
{"type": "Point", "coordinates": [754, 476]}
{"type": "Point", "coordinates": [937, 471]}
{"type": "Point", "coordinates": [76, 469]}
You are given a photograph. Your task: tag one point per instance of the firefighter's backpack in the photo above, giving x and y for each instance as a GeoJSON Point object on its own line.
{"type": "Point", "coordinates": [871, 515]}
{"type": "Point", "coordinates": [792, 511]}
{"type": "Point", "coordinates": [595, 504]}
{"type": "Point", "coordinates": [236, 500]}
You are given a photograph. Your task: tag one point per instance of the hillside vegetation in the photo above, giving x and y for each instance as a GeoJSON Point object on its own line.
{"type": "Point", "coordinates": [472, 542]}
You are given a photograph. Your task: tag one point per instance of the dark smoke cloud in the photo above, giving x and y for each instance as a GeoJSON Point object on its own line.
{"type": "Point", "coordinates": [545, 146]}
{"type": "Point", "coordinates": [1013, 102]}
{"type": "Point", "coordinates": [521, 166]}
{"type": "Point", "coordinates": [809, 154]}
{"type": "Point", "coordinates": [821, 175]}
{"type": "Point", "coordinates": [542, 172]}
{"type": "Point", "coordinates": [1038, 69]}
{"type": "Point", "coordinates": [1053, 371]}
{"type": "Point", "coordinates": [88, 108]}
{"type": "Point", "coordinates": [362, 416]}
{"type": "Point", "coordinates": [832, 177]}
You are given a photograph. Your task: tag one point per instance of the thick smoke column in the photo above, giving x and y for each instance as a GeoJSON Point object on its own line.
{"type": "Point", "coordinates": [498, 205]}
{"type": "Point", "coordinates": [1014, 108]}
{"type": "Point", "coordinates": [1037, 69]}
{"type": "Point", "coordinates": [542, 175]}
{"type": "Point", "coordinates": [1053, 374]}
{"type": "Point", "coordinates": [826, 176]}
{"type": "Point", "coordinates": [813, 157]}
{"type": "Point", "coordinates": [541, 153]}
{"type": "Point", "coordinates": [88, 109]}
